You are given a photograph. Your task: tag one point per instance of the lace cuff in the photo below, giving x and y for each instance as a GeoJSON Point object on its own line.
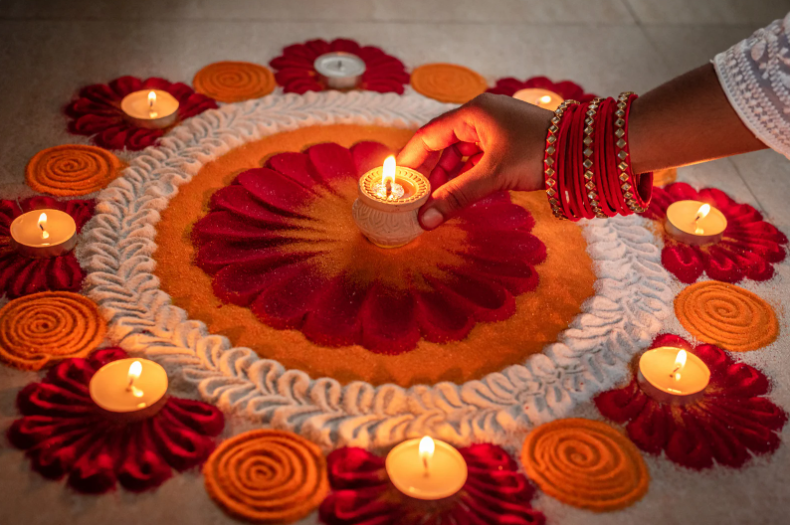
{"type": "Point", "coordinates": [755, 76]}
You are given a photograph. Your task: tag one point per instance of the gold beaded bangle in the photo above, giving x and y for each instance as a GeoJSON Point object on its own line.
{"type": "Point", "coordinates": [549, 159]}
{"type": "Point", "coordinates": [627, 183]}
{"type": "Point", "coordinates": [589, 175]}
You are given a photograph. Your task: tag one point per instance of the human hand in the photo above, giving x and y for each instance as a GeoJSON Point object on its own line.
{"type": "Point", "coordinates": [502, 140]}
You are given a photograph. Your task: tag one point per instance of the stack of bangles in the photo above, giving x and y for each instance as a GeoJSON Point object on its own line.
{"type": "Point", "coordinates": [587, 169]}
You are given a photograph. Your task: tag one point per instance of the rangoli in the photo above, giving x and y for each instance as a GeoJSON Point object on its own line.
{"type": "Point", "coordinates": [733, 420]}
{"type": "Point", "coordinates": [585, 463]}
{"type": "Point", "coordinates": [72, 169]}
{"type": "Point", "coordinates": [64, 433]}
{"type": "Point", "coordinates": [48, 326]}
{"type": "Point", "coordinates": [234, 81]}
{"type": "Point", "coordinates": [448, 82]}
{"type": "Point", "coordinates": [495, 493]}
{"type": "Point", "coordinates": [727, 315]}
{"type": "Point", "coordinates": [588, 355]}
{"type": "Point", "coordinates": [267, 476]}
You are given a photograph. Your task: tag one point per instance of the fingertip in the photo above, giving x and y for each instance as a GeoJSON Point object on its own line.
{"type": "Point", "coordinates": [431, 219]}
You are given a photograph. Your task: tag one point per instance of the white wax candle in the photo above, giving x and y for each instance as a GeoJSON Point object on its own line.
{"type": "Point", "coordinates": [672, 375]}
{"type": "Point", "coordinates": [128, 385]}
{"type": "Point", "coordinates": [540, 97]}
{"type": "Point", "coordinates": [695, 222]}
{"type": "Point", "coordinates": [429, 475]}
{"type": "Point", "coordinates": [150, 108]}
{"type": "Point", "coordinates": [340, 70]}
{"type": "Point", "coordinates": [44, 233]}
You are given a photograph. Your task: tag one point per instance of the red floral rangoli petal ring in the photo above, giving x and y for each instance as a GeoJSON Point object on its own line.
{"type": "Point", "coordinates": [732, 421]}
{"type": "Point", "coordinates": [64, 433]}
{"type": "Point", "coordinates": [564, 88]}
{"type": "Point", "coordinates": [21, 275]}
{"type": "Point", "coordinates": [280, 240]}
{"type": "Point", "coordinates": [296, 73]}
{"type": "Point", "coordinates": [494, 492]}
{"type": "Point", "coordinates": [749, 247]}
{"type": "Point", "coordinates": [96, 112]}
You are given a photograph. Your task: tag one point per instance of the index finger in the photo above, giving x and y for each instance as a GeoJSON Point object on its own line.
{"type": "Point", "coordinates": [443, 131]}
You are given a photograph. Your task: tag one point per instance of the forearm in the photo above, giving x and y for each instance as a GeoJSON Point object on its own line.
{"type": "Point", "coordinates": [685, 121]}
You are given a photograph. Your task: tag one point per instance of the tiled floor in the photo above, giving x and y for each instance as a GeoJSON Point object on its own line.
{"type": "Point", "coordinates": [48, 49]}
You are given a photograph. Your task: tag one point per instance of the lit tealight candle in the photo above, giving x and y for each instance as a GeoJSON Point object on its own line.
{"type": "Point", "coordinates": [672, 375]}
{"type": "Point", "coordinates": [540, 97]}
{"type": "Point", "coordinates": [44, 233]}
{"type": "Point", "coordinates": [426, 468]}
{"type": "Point", "coordinates": [695, 222]}
{"type": "Point", "coordinates": [129, 386]}
{"type": "Point", "coordinates": [340, 70]}
{"type": "Point", "coordinates": [150, 108]}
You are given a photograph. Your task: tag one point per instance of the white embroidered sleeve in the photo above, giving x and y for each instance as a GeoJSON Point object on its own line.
{"type": "Point", "coordinates": [755, 76]}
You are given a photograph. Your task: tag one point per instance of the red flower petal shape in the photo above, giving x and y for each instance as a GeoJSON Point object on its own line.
{"type": "Point", "coordinates": [21, 275]}
{"type": "Point", "coordinates": [64, 433]}
{"type": "Point", "coordinates": [495, 493]}
{"type": "Point", "coordinates": [565, 88]}
{"type": "Point", "coordinates": [748, 249]}
{"type": "Point", "coordinates": [295, 72]}
{"type": "Point", "coordinates": [281, 240]}
{"type": "Point", "coordinates": [729, 424]}
{"type": "Point", "coordinates": [96, 112]}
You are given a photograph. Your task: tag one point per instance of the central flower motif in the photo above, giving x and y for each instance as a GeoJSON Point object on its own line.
{"type": "Point", "coordinates": [281, 239]}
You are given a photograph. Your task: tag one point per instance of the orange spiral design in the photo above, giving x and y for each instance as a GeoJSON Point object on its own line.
{"type": "Point", "coordinates": [71, 169]}
{"type": "Point", "coordinates": [267, 476]}
{"type": "Point", "coordinates": [234, 81]}
{"type": "Point", "coordinates": [48, 326]}
{"type": "Point", "coordinates": [585, 463]}
{"type": "Point", "coordinates": [664, 177]}
{"type": "Point", "coordinates": [448, 82]}
{"type": "Point", "coordinates": [726, 315]}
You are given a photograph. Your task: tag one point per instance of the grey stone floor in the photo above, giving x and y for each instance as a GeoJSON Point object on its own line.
{"type": "Point", "coordinates": [49, 49]}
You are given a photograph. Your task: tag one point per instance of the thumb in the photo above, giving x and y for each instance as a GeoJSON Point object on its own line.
{"type": "Point", "coordinates": [451, 198]}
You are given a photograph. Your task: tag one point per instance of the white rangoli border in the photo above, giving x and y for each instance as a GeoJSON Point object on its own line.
{"type": "Point", "coordinates": [632, 299]}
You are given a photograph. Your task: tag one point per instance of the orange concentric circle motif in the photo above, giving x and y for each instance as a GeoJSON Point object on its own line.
{"type": "Point", "coordinates": [267, 476]}
{"type": "Point", "coordinates": [448, 82]}
{"type": "Point", "coordinates": [727, 316]}
{"type": "Point", "coordinates": [71, 169]}
{"type": "Point", "coordinates": [234, 81]}
{"type": "Point", "coordinates": [48, 326]}
{"type": "Point", "coordinates": [664, 177]}
{"type": "Point", "coordinates": [585, 463]}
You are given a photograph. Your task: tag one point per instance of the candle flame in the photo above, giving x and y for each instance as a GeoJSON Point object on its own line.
{"type": "Point", "coordinates": [151, 99]}
{"type": "Point", "coordinates": [427, 447]}
{"type": "Point", "coordinates": [388, 173]}
{"type": "Point", "coordinates": [135, 369]}
{"type": "Point", "coordinates": [42, 221]}
{"type": "Point", "coordinates": [680, 362]}
{"type": "Point", "coordinates": [545, 99]}
{"type": "Point", "coordinates": [702, 212]}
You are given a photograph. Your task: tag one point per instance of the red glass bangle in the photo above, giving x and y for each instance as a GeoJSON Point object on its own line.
{"type": "Point", "coordinates": [641, 188]}
{"type": "Point", "coordinates": [612, 181]}
{"type": "Point", "coordinates": [550, 159]}
{"type": "Point", "coordinates": [576, 201]}
{"type": "Point", "coordinates": [564, 163]}
{"type": "Point", "coordinates": [621, 176]}
{"type": "Point", "coordinates": [627, 180]}
{"type": "Point", "coordinates": [601, 123]}
{"type": "Point", "coordinates": [592, 137]}
{"type": "Point", "coordinates": [584, 163]}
